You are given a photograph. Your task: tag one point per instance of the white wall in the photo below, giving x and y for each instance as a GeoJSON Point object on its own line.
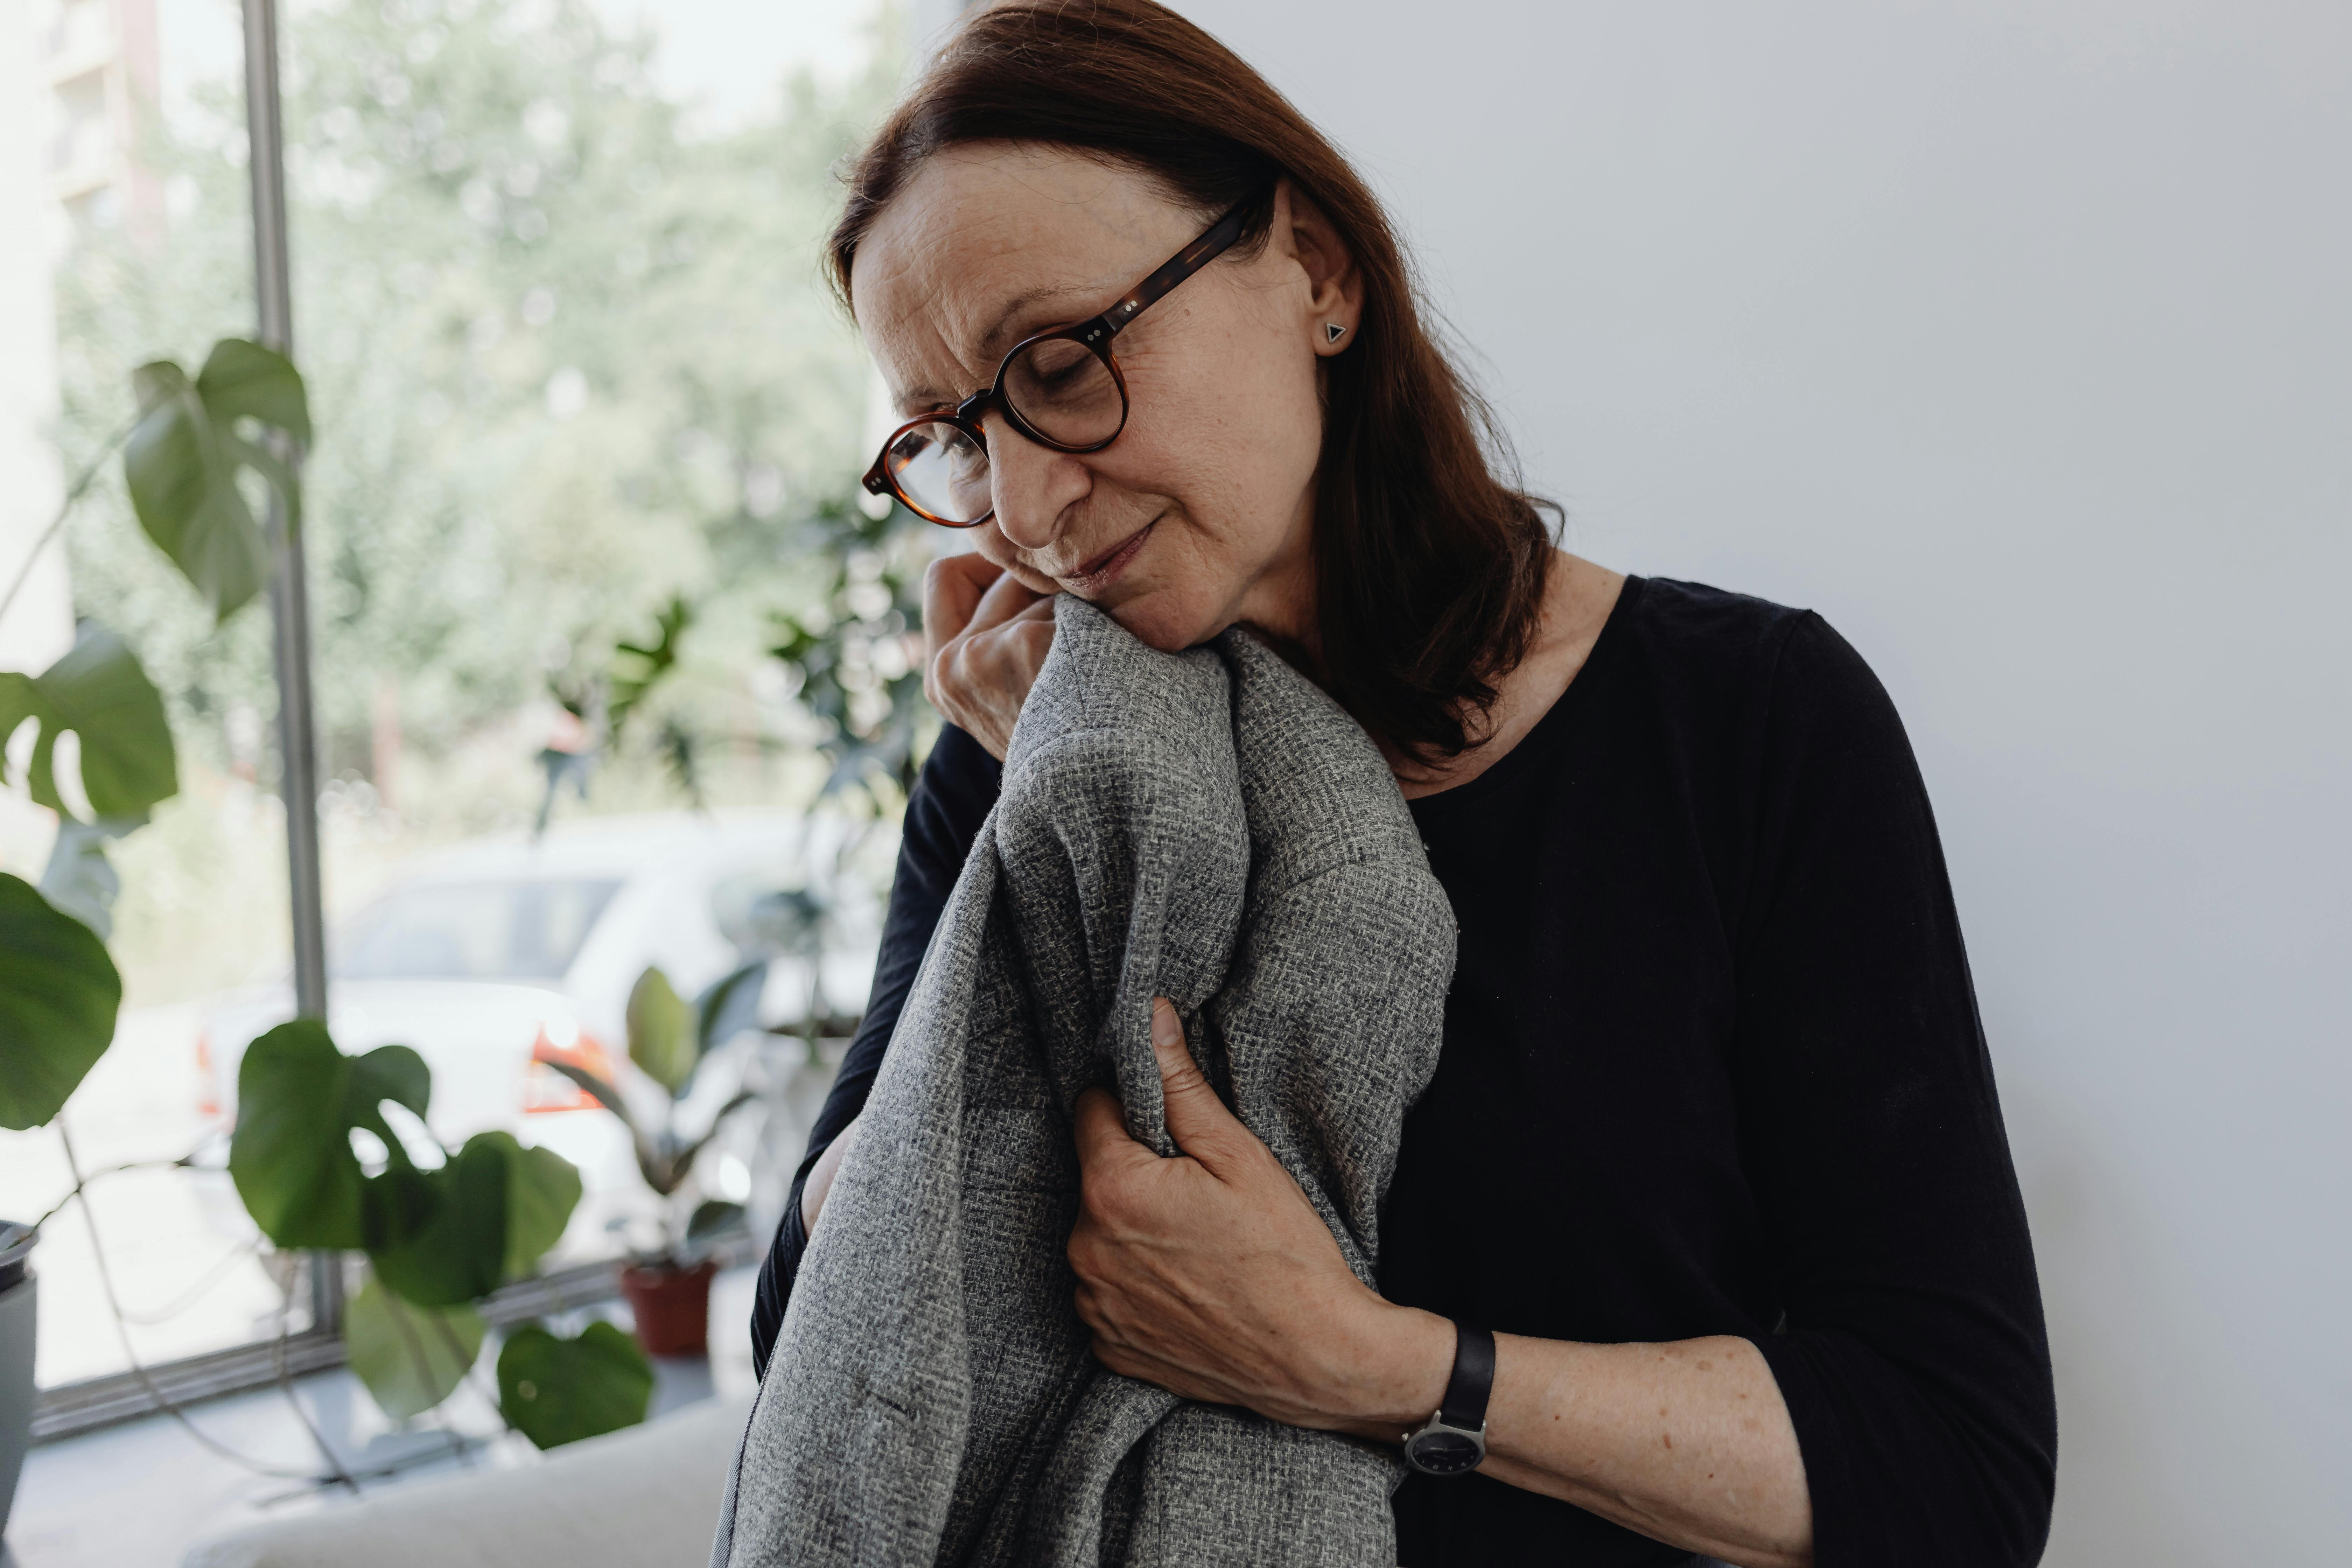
{"type": "Point", "coordinates": [2016, 338]}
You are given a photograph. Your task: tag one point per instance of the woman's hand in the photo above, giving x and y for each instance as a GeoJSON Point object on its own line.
{"type": "Point", "coordinates": [984, 638]}
{"type": "Point", "coordinates": [1211, 1274]}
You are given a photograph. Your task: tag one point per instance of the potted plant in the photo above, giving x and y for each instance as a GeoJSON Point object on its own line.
{"type": "Point", "coordinates": [669, 1287]}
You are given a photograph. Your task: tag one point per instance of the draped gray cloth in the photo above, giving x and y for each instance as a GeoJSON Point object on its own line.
{"type": "Point", "coordinates": [1206, 826]}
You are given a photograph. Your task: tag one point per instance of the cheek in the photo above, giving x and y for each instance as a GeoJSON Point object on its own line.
{"type": "Point", "coordinates": [1232, 434]}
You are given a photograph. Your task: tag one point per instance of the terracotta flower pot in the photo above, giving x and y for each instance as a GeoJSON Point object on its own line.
{"type": "Point", "coordinates": [672, 1306]}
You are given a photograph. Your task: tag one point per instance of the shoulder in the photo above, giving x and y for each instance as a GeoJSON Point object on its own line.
{"type": "Point", "coordinates": [1709, 628]}
{"type": "Point", "coordinates": [1753, 683]}
{"type": "Point", "coordinates": [1704, 635]}
{"type": "Point", "coordinates": [1703, 656]}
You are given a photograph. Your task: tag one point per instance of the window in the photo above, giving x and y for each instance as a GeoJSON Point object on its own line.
{"type": "Point", "coordinates": [565, 372]}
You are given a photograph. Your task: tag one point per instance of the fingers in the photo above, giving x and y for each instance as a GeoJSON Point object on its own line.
{"type": "Point", "coordinates": [952, 586]}
{"type": "Point", "coordinates": [980, 678]}
{"type": "Point", "coordinates": [1100, 1131]}
{"type": "Point", "coordinates": [1004, 598]}
{"type": "Point", "coordinates": [1197, 1119]}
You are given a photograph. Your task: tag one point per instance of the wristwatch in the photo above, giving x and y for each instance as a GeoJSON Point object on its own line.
{"type": "Point", "coordinates": [1454, 1443]}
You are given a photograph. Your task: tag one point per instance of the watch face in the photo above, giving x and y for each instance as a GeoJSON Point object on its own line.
{"type": "Point", "coordinates": [1444, 1453]}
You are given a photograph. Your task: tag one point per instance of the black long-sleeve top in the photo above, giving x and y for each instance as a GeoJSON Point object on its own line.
{"type": "Point", "coordinates": [1712, 1065]}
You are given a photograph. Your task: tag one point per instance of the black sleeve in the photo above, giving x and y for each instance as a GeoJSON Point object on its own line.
{"type": "Point", "coordinates": [951, 798]}
{"type": "Point", "coordinates": [1913, 1357]}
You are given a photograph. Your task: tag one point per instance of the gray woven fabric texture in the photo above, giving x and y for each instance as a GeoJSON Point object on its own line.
{"type": "Point", "coordinates": [1207, 827]}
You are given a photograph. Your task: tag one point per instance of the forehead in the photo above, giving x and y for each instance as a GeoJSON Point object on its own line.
{"type": "Point", "coordinates": [986, 243]}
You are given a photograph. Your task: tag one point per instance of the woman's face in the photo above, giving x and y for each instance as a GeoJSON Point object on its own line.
{"type": "Point", "coordinates": [1199, 514]}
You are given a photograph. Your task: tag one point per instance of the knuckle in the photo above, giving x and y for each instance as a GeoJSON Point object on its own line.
{"type": "Point", "coordinates": [953, 668]}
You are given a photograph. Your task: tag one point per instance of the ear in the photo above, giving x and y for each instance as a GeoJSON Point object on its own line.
{"type": "Point", "coordinates": [1335, 287]}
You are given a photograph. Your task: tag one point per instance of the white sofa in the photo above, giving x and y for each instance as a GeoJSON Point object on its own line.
{"type": "Point", "coordinates": [646, 1496]}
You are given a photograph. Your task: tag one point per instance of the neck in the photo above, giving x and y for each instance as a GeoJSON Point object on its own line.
{"type": "Point", "coordinates": [1279, 602]}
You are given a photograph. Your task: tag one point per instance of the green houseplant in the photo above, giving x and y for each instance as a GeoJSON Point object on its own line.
{"type": "Point", "coordinates": [669, 1040]}
{"type": "Point", "coordinates": [440, 1228]}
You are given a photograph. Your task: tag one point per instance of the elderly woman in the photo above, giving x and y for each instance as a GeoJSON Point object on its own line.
{"type": "Point", "coordinates": [1708, 1215]}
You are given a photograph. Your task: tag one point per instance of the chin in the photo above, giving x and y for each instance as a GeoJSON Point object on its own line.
{"type": "Point", "coordinates": [1161, 618]}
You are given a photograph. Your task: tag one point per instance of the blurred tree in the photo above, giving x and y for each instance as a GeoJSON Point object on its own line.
{"type": "Point", "coordinates": [570, 366]}
{"type": "Point", "coordinates": [853, 656]}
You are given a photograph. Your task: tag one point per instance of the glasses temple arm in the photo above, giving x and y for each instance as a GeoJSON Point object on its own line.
{"type": "Point", "coordinates": [1174, 270]}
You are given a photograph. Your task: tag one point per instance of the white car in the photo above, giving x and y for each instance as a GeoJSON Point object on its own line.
{"type": "Point", "coordinates": [493, 957]}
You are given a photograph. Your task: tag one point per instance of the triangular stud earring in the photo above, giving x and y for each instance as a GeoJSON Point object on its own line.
{"type": "Point", "coordinates": [1333, 332]}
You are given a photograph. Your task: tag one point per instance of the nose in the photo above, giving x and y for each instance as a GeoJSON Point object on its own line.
{"type": "Point", "coordinates": [1032, 486]}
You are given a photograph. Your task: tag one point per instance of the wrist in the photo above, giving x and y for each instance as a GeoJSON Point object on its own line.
{"type": "Point", "coordinates": [1398, 1360]}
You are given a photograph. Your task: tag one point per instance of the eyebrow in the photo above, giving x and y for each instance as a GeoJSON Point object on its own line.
{"type": "Point", "coordinates": [990, 344]}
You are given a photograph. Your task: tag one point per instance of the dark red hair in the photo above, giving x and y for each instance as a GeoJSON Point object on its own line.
{"type": "Point", "coordinates": [1430, 566]}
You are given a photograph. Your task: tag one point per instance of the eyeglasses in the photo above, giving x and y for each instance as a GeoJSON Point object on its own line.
{"type": "Point", "coordinates": [1060, 388]}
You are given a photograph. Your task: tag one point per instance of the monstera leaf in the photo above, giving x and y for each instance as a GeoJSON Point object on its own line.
{"type": "Point", "coordinates": [556, 1391]}
{"type": "Point", "coordinates": [542, 1189]}
{"type": "Point", "coordinates": [98, 692]}
{"type": "Point", "coordinates": [58, 992]}
{"type": "Point", "coordinates": [441, 1237]}
{"type": "Point", "coordinates": [298, 1099]}
{"type": "Point", "coordinates": [183, 457]}
{"type": "Point", "coordinates": [411, 1358]}
{"type": "Point", "coordinates": [435, 1237]}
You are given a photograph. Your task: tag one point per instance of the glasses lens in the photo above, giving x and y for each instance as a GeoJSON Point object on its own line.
{"type": "Point", "coordinates": [1065, 393]}
{"type": "Point", "coordinates": [941, 471]}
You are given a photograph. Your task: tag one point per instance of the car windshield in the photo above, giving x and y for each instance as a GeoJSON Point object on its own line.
{"type": "Point", "coordinates": [473, 930]}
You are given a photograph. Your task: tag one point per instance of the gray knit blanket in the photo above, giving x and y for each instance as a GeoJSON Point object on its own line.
{"type": "Point", "coordinates": [1206, 826]}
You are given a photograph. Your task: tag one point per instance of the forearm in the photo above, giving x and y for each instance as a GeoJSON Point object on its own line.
{"type": "Point", "coordinates": [1687, 1442]}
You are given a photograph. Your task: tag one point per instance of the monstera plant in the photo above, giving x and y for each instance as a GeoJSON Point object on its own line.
{"type": "Point", "coordinates": [441, 1229]}
{"type": "Point", "coordinates": [182, 458]}
{"type": "Point", "coordinates": [329, 1150]}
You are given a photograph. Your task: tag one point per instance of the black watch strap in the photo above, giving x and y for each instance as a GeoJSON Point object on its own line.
{"type": "Point", "coordinates": [1466, 1391]}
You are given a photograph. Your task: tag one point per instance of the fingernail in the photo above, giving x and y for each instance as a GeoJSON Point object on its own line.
{"type": "Point", "coordinates": [1167, 1029]}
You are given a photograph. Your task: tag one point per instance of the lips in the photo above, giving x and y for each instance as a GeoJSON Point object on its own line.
{"type": "Point", "coordinates": [1098, 574]}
